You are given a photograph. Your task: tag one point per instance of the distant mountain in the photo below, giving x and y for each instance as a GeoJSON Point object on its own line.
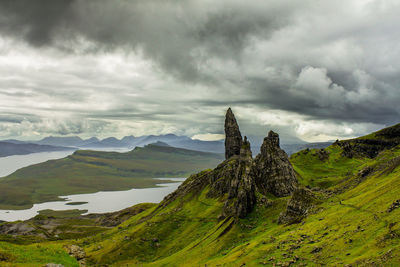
{"type": "Point", "coordinates": [9, 149]}
{"type": "Point", "coordinates": [14, 141]}
{"type": "Point", "coordinates": [61, 141]}
{"type": "Point", "coordinates": [206, 146]}
{"type": "Point", "coordinates": [170, 139]}
{"type": "Point", "coordinates": [130, 142]}
{"type": "Point", "coordinates": [159, 143]}
{"type": "Point", "coordinates": [88, 141]}
{"type": "Point", "coordinates": [68, 141]}
{"type": "Point", "coordinates": [105, 143]}
{"type": "Point", "coordinates": [293, 148]}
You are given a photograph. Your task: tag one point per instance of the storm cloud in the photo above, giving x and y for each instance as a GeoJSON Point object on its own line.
{"type": "Point", "coordinates": [314, 70]}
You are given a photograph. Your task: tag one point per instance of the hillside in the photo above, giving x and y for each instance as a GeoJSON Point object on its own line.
{"type": "Point", "coordinates": [323, 207]}
{"type": "Point", "coordinates": [9, 149]}
{"type": "Point", "coordinates": [91, 171]}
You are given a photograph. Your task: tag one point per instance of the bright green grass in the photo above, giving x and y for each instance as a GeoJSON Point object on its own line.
{"type": "Point", "coordinates": [92, 171]}
{"type": "Point", "coordinates": [34, 255]}
{"type": "Point", "coordinates": [351, 228]}
{"type": "Point", "coordinates": [314, 172]}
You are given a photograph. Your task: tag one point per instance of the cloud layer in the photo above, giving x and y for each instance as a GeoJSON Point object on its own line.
{"type": "Point", "coordinates": [314, 70]}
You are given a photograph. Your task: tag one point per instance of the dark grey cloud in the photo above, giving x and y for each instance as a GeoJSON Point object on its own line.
{"type": "Point", "coordinates": [167, 65]}
{"type": "Point", "coordinates": [178, 34]}
{"type": "Point", "coordinates": [35, 21]}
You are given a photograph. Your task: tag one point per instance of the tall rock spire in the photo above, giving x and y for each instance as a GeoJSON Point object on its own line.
{"type": "Point", "coordinates": [274, 173]}
{"type": "Point", "coordinates": [233, 138]}
{"type": "Point", "coordinates": [241, 195]}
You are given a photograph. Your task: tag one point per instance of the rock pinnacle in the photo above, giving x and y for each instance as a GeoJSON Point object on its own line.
{"type": "Point", "coordinates": [233, 137]}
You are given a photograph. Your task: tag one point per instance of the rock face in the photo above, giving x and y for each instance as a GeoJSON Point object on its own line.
{"type": "Point", "coordinates": [241, 196]}
{"type": "Point", "coordinates": [273, 171]}
{"type": "Point", "coordinates": [233, 138]}
{"type": "Point", "coordinates": [298, 206]}
{"type": "Point", "coordinates": [239, 177]}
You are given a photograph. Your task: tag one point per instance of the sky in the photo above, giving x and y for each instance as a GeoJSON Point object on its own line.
{"type": "Point", "coordinates": [311, 70]}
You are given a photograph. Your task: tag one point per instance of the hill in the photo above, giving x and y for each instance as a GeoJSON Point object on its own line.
{"type": "Point", "coordinates": [88, 171]}
{"type": "Point", "coordinates": [324, 207]}
{"type": "Point", "coordinates": [9, 149]}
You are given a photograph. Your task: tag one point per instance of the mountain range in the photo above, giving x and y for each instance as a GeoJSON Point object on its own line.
{"type": "Point", "coordinates": [52, 143]}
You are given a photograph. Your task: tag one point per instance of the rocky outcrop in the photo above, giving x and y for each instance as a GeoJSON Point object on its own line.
{"type": "Point", "coordinates": [273, 171]}
{"type": "Point", "coordinates": [241, 197]}
{"type": "Point", "coordinates": [365, 147]}
{"type": "Point", "coordinates": [239, 177]}
{"type": "Point", "coordinates": [78, 253]}
{"type": "Point", "coordinates": [233, 137]}
{"type": "Point", "coordinates": [298, 206]}
{"type": "Point", "coordinates": [371, 145]}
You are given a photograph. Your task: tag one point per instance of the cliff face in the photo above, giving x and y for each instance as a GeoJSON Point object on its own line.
{"type": "Point", "coordinates": [274, 173]}
{"type": "Point", "coordinates": [239, 177]}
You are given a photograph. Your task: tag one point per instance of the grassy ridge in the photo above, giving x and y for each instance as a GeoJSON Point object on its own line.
{"type": "Point", "coordinates": [92, 171]}
{"type": "Point", "coordinates": [314, 172]}
{"type": "Point", "coordinates": [353, 227]}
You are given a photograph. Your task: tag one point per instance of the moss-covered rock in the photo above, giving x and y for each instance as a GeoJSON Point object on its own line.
{"type": "Point", "coordinates": [298, 206]}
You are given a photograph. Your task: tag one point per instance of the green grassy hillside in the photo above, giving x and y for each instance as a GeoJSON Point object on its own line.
{"type": "Point", "coordinates": [352, 227]}
{"type": "Point", "coordinates": [92, 171]}
{"type": "Point", "coordinates": [355, 223]}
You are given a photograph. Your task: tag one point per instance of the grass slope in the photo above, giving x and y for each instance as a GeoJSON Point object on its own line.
{"type": "Point", "coordinates": [92, 171]}
{"type": "Point", "coordinates": [350, 225]}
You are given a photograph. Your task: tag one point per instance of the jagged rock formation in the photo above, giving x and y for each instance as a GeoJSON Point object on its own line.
{"type": "Point", "coordinates": [273, 170]}
{"type": "Point", "coordinates": [239, 176]}
{"type": "Point", "coordinates": [233, 137]}
{"type": "Point", "coordinates": [298, 206]}
{"type": "Point", "coordinates": [241, 197]}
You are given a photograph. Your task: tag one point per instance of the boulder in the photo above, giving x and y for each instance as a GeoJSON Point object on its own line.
{"type": "Point", "coordinates": [298, 206]}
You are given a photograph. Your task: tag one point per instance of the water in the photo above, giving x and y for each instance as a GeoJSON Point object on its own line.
{"type": "Point", "coordinates": [10, 164]}
{"type": "Point", "coordinates": [99, 202]}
